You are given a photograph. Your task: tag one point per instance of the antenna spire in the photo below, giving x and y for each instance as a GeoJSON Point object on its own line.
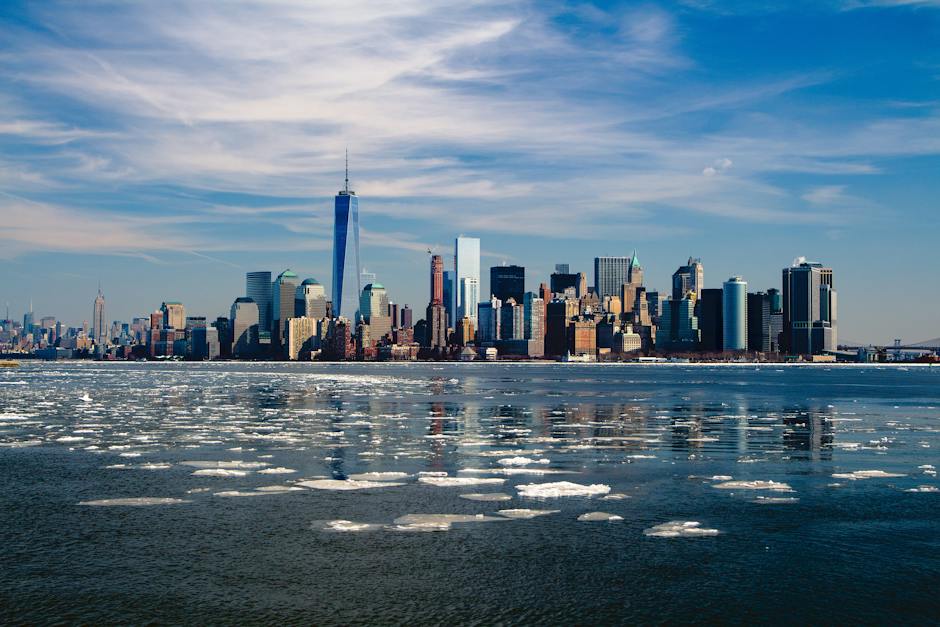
{"type": "Point", "coordinates": [347, 170]}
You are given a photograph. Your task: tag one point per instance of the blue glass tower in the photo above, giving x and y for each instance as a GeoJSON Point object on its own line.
{"type": "Point", "coordinates": [346, 267]}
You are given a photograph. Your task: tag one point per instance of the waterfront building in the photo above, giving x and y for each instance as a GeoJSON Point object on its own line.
{"type": "Point", "coordinates": [174, 315]}
{"type": "Point", "coordinates": [283, 295]}
{"type": "Point", "coordinates": [759, 323]}
{"type": "Point", "coordinates": [258, 287]}
{"type": "Point", "coordinates": [654, 304]}
{"type": "Point", "coordinates": [302, 338]}
{"type": "Point", "coordinates": [511, 320]}
{"type": "Point", "coordinates": [560, 313]}
{"type": "Point", "coordinates": [373, 310]}
{"type": "Point", "coordinates": [776, 319]}
{"type": "Point", "coordinates": [534, 316]}
{"type": "Point", "coordinates": [734, 314]}
{"type": "Point", "coordinates": [407, 317]}
{"type": "Point", "coordinates": [627, 341]}
{"type": "Point", "coordinates": [245, 324]}
{"type": "Point", "coordinates": [436, 319]}
{"type": "Point", "coordinates": [223, 328]}
{"type": "Point", "coordinates": [809, 310]}
{"type": "Point", "coordinates": [310, 300]}
{"type": "Point", "coordinates": [507, 282]}
{"type": "Point", "coordinates": [97, 320]}
{"type": "Point", "coordinates": [711, 323]}
{"type": "Point", "coordinates": [347, 270]}
{"type": "Point", "coordinates": [465, 332]}
{"type": "Point", "coordinates": [449, 280]}
{"type": "Point", "coordinates": [678, 330]}
{"type": "Point", "coordinates": [688, 278]}
{"type": "Point", "coordinates": [466, 277]}
{"type": "Point", "coordinates": [582, 337]}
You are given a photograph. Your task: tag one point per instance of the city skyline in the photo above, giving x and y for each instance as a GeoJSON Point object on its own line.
{"type": "Point", "coordinates": [673, 129]}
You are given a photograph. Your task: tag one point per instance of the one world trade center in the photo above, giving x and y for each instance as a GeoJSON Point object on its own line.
{"type": "Point", "coordinates": [346, 268]}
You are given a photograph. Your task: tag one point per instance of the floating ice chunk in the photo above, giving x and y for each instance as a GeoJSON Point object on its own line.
{"type": "Point", "coordinates": [379, 476]}
{"type": "Point", "coordinates": [421, 519]}
{"type": "Point", "coordinates": [599, 517]}
{"type": "Point", "coordinates": [615, 496]}
{"type": "Point", "coordinates": [865, 474]}
{"type": "Point", "coordinates": [135, 502]}
{"type": "Point", "coordinates": [520, 461]}
{"type": "Point", "coordinates": [233, 493]}
{"type": "Point", "coordinates": [344, 526]}
{"type": "Point", "coordinates": [526, 513]}
{"type": "Point", "coordinates": [523, 470]}
{"type": "Point", "coordinates": [226, 464]}
{"type": "Point", "coordinates": [487, 496]}
{"type": "Point", "coordinates": [453, 381]}
{"type": "Point", "coordinates": [338, 484]}
{"type": "Point", "coordinates": [432, 473]}
{"type": "Point", "coordinates": [679, 529]}
{"type": "Point", "coordinates": [721, 478]}
{"type": "Point", "coordinates": [280, 470]}
{"type": "Point", "coordinates": [924, 488]}
{"type": "Point", "coordinates": [85, 398]}
{"type": "Point", "coordinates": [423, 527]}
{"type": "Point", "coordinates": [21, 443]}
{"type": "Point", "coordinates": [448, 482]}
{"type": "Point", "coordinates": [561, 488]}
{"type": "Point", "coordinates": [70, 438]}
{"type": "Point", "coordinates": [774, 486]}
{"type": "Point", "coordinates": [279, 488]}
{"type": "Point", "coordinates": [775, 500]}
{"type": "Point", "coordinates": [220, 472]}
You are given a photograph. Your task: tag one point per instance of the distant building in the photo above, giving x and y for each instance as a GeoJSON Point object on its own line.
{"type": "Point", "coordinates": [465, 332]}
{"type": "Point", "coordinates": [560, 313]}
{"type": "Point", "coordinates": [734, 314]}
{"type": "Point", "coordinates": [302, 338]}
{"type": "Point", "coordinates": [610, 273]}
{"type": "Point", "coordinates": [97, 320]}
{"type": "Point", "coordinates": [284, 293]}
{"type": "Point", "coordinates": [560, 281]}
{"type": "Point", "coordinates": [373, 309]}
{"type": "Point", "coordinates": [449, 280]}
{"type": "Point", "coordinates": [174, 315]}
{"type": "Point", "coordinates": [688, 278]}
{"type": "Point", "coordinates": [507, 282]}
{"type": "Point", "coordinates": [759, 326]}
{"type": "Point", "coordinates": [512, 320]}
{"type": "Point", "coordinates": [534, 317]}
{"type": "Point", "coordinates": [245, 327]}
{"type": "Point", "coordinates": [678, 326]}
{"type": "Point", "coordinates": [347, 271]}
{"type": "Point", "coordinates": [437, 280]}
{"type": "Point", "coordinates": [310, 300]}
{"type": "Point", "coordinates": [258, 288]}
{"type": "Point", "coordinates": [489, 320]}
{"type": "Point", "coordinates": [407, 317]}
{"type": "Point", "coordinates": [809, 310]}
{"type": "Point", "coordinates": [467, 277]}
{"type": "Point", "coordinates": [582, 337]}
{"type": "Point", "coordinates": [711, 322]}
{"type": "Point", "coordinates": [436, 319]}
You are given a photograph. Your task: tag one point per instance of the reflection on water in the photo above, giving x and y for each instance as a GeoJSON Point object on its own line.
{"type": "Point", "coordinates": [721, 467]}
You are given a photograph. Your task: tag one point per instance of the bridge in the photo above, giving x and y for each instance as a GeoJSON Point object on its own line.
{"type": "Point", "coordinates": [932, 345]}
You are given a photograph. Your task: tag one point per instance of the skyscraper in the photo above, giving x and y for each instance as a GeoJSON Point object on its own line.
{"type": "Point", "coordinates": [508, 282]}
{"type": "Point", "coordinates": [449, 280]}
{"type": "Point", "coordinates": [406, 317]}
{"type": "Point", "coordinates": [710, 320]}
{"type": "Point", "coordinates": [310, 300]}
{"type": "Point", "coordinates": [97, 320]}
{"type": "Point", "coordinates": [809, 309]}
{"type": "Point", "coordinates": [489, 328]}
{"type": "Point", "coordinates": [174, 315]}
{"type": "Point", "coordinates": [244, 325]}
{"type": "Point", "coordinates": [437, 280]}
{"type": "Point", "coordinates": [346, 285]}
{"type": "Point", "coordinates": [734, 314]}
{"type": "Point", "coordinates": [759, 325]}
{"type": "Point", "coordinates": [467, 277]}
{"type": "Point", "coordinates": [284, 293]}
{"type": "Point", "coordinates": [610, 273]}
{"type": "Point", "coordinates": [258, 288]}
{"type": "Point", "coordinates": [688, 278]}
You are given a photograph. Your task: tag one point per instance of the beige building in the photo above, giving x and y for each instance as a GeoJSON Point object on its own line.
{"type": "Point", "coordinates": [302, 338]}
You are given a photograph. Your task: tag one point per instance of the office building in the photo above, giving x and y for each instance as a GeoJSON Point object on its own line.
{"type": "Point", "coordinates": [610, 273]}
{"type": "Point", "coordinates": [407, 317]}
{"type": "Point", "coordinates": [437, 280]}
{"type": "Point", "coordinates": [245, 327]}
{"type": "Point", "coordinates": [534, 316]}
{"type": "Point", "coordinates": [174, 315]}
{"type": "Point", "coordinates": [511, 320]}
{"type": "Point", "coordinates": [734, 314]}
{"type": "Point", "coordinates": [258, 288]}
{"type": "Point", "coordinates": [347, 270]}
{"type": "Point", "coordinates": [561, 281]}
{"type": "Point", "coordinates": [688, 278]}
{"type": "Point", "coordinates": [302, 338]}
{"type": "Point", "coordinates": [467, 277]}
{"type": "Point", "coordinates": [449, 280]}
{"type": "Point", "coordinates": [310, 300]}
{"type": "Point", "coordinates": [710, 320]}
{"type": "Point", "coordinates": [373, 310]}
{"type": "Point", "coordinates": [678, 330]}
{"type": "Point", "coordinates": [489, 320]}
{"type": "Point", "coordinates": [393, 314]}
{"type": "Point", "coordinates": [809, 310]}
{"type": "Point", "coordinates": [559, 315]}
{"type": "Point", "coordinates": [759, 323]}
{"type": "Point", "coordinates": [436, 320]}
{"type": "Point", "coordinates": [582, 337]}
{"type": "Point", "coordinates": [507, 282]}
{"type": "Point", "coordinates": [283, 295]}
{"type": "Point", "coordinates": [97, 321]}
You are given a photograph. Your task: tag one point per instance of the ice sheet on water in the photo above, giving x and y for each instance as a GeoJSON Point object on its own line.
{"type": "Point", "coordinates": [339, 484]}
{"type": "Point", "coordinates": [924, 488]}
{"type": "Point", "coordinates": [343, 526]}
{"type": "Point", "coordinates": [448, 482]}
{"type": "Point", "coordinates": [520, 461]}
{"type": "Point", "coordinates": [679, 529]}
{"type": "Point", "coordinates": [599, 517]}
{"type": "Point", "coordinates": [135, 502]}
{"type": "Point", "coordinates": [526, 513]}
{"type": "Point", "coordinates": [220, 472]}
{"type": "Point", "coordinates": [421, 519]}
{"type": "Point", "coordinates": [561, 488]}
{"type": "Point", "coordinates": [855, 475]}
{"type": "Point", "coordinates": [279, 470]}
{"type": "Point", "coordinates": [517, 471]}
{"type": "Point", "coordinates": [775, 500]}
{"type": "Point", "coordinates": [774, 486]}
{"type": "Point", "coordinates": [487, 497]}
{"type": "Point", "coordinates": [379, 476]}
{"type": "Point", "coordinates": [236, 464]}
{"type": "Point", "coordinates": [615, 496]}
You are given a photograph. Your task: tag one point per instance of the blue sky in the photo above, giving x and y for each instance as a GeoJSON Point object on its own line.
{"type": "Point", "coordinates": [166, 148]}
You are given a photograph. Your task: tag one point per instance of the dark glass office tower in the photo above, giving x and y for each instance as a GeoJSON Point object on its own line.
{"type": "Point", "coordinates": [507, 282]}
{"type": "Point", "coordinates": [711, 321]}
{"type": "Point", "coordinates": [347, 271]}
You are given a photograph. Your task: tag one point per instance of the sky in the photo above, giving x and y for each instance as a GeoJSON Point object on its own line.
{"type": "Point", "coordinates": [164, 149]}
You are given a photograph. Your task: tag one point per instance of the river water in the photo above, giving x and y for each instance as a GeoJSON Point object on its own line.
{"type": "Point", "coordinates": [351, 493]}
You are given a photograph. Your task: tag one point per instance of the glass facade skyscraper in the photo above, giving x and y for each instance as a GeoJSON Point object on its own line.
{"type": "Point", "coordinates": [734, 314]}
{"type": "Point", "coordinates": [259, 289]}
{"type": "Point", "coordinates": [466, 278]}
{"type": "Point", "coordinates": [347, 270]}
{"type": "Point", "coordinates": [809, 310]}
{"type": "Point", "coordinates": [610, 273]}
{"type": "Point", "coordinates": [507, 282]}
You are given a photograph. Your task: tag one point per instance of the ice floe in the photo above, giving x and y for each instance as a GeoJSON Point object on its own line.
{"type": "Point", "coordinates": [219, 472]}
{"type": "Point", "coordinates": [351, 484]}
{"type": "Point", "coordinates": [866, 474]}
{"type": "Point", "coordinates": [280, 470]}
{"type": "Point", "coordinates": [439, 522]}
{"type": "Point", "coordinates": [561, 488]}
{"type": "Point", "coordinates": [487, 497]}
{"type": "Point", "coordinates": [924, 488]}
{"type": "Point", "coordinates": [599, 517]}
{"type": "Point", "coordinates": [344, 526]}
{"type": "Point", "coordinates": [526, 513]}
{"type": "Point", "coordinates": [448, 482]}
{"type": "Point", "coordinates": [775, 486]}
{"type": "Point", "coordinates": [135, 502]}
{"type": "Point", "coordinates": [520, 461]}
{"type": "Point", "coordinates": [679, 529]}
{"type": "Point", "coordinates": [379, 476]}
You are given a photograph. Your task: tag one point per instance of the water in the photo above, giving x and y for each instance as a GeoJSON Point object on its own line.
{"type": "Point", "coordinates": [665, 440]}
